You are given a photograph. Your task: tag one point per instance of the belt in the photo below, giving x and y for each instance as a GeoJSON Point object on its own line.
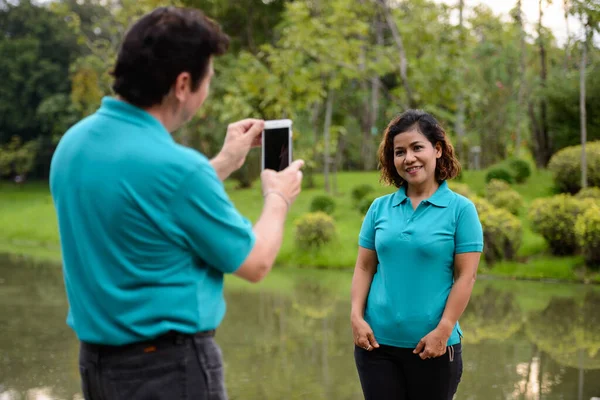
{"type": "Point", "coordinates": [169, 339]}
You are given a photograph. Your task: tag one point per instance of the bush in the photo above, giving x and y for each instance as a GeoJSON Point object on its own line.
{"type": "Point", "coordinates": [364, 205]}
{"type": "Point", "coordinates": [587, 231]}
{"type": "Point", "coordinates": [360, 191]}
{"type": "Point", "coordinates": [462, 189]}
{"type": "Point", "coordinates": [554, 218]}
{"type": "Point", "coordinates": [521, 170]}
{"type": "Point", "coordinates": [313, 230]}
{"type": "Point", "coordinates": [589, 193]}
{"type": "Point", "coordinates": [566, 167]}
{"type": "Point", "coordinates": [323, 203]}
{"type": "Point", "coordinates": [502, 232]}
{"type": "Point", "coordinates": [496, 186]}
{"type": "Point", "coordinates": [500, 173]}
{"type": "Point", "coordinates": [510, 201]}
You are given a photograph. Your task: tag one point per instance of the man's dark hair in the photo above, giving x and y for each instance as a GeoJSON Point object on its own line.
{"type": "Point", "coordinates": [160, 46]}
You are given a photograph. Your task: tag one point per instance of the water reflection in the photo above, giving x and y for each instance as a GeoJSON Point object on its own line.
{"type": "Point", "coordinates": [522, 340]}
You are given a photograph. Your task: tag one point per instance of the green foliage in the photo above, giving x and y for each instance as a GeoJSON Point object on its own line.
{"type": "Point", "coordinates": [364, 204]}
{"type": "Point", "coordinates": [18, 158]}
{"type": "Point", "coordinates": [502, 231]}
{"type": "Point", "coordinates": [554, 218]}
{"type": "Point", "coordinates": [360, 191]}
{"type": "Point", "coordinates": [501, 195]}
{"type": "Point", "coordinates": [496, 186]}
{"type": "Point", "coordinates": [499, 173]}
{"type": "Point", "coordinates": [520, 169]}
{"type": "Point", "coordinates": [313, 230]}
{"type": "Point", "coordinates": [509, 200]}
{"type": "Point", "coordinates": [590, 192]}
{"type": "Point", "coordinates": [323, 203]}
{"type": "Point", "coordinates": [462, 189]}
{"type": "Point", "coordinates": [566, 167]}
{"type": "Point", "coordinates": [587, 231]}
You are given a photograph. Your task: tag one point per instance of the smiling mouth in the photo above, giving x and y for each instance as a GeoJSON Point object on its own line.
{"type": "Point", "coordinates": [413, 169]}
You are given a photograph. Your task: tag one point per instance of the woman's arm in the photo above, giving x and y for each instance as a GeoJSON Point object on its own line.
{"type": "Point", "coordinates": [366, 266]}
{"type": "Point", "coordinates": [465, 273]}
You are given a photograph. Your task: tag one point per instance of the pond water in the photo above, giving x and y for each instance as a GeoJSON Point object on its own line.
{"type": "Point", "coordinates": [289, 338]}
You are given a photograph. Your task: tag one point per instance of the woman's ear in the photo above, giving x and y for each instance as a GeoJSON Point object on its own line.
{"type": "Point", "coordinates": [438, 150]}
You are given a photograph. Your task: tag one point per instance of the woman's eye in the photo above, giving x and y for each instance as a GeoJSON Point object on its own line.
{"type": "Point", "coordinates": [418, 147]}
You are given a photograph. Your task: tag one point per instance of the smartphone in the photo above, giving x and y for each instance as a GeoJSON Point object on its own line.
{"type": "Point", "coordinates": [277, 144]}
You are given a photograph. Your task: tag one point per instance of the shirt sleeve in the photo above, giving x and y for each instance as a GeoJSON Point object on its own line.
{"type": "Point", "coordinates": [209, 223]}
{"type": "Point", "coordinates": [469, 233]}
{"type": "Point", "coordinates": [366, 238]}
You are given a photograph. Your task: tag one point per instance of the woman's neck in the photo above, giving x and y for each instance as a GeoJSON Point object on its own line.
{"type": "Point", "coordinates": [423, 191]}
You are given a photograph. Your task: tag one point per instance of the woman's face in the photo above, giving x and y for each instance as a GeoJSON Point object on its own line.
{"type": "Point", "coordinates": [415, 158]}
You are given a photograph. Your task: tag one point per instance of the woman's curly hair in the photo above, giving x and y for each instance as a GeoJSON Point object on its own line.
{"type": "Point", "coordinates": [447, 166]}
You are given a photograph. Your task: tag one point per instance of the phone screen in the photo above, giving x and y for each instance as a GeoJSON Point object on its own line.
{"type": "Point", "coordinates": [276, 143]}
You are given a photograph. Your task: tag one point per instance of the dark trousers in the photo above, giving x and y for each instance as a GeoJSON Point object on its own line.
{"type": "Point", "coordinates": [173, 366]}
{"type": "Point", "coordinates": [394, 373]}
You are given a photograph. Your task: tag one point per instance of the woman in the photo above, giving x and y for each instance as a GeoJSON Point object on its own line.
{"type": "Point", "coordinates": [419, 250]}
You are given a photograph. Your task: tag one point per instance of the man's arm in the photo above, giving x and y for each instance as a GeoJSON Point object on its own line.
{"type": "Point", "coordinates": [280, 190]}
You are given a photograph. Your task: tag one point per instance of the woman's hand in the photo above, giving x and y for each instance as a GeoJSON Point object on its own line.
{"type": "Point", "coordinates": [433, 344]}
{"type": "Point", "coordinates": [363, 334]}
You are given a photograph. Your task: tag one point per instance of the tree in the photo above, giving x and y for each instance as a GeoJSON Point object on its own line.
{"type": "Point", "coordinates": [589, 15]}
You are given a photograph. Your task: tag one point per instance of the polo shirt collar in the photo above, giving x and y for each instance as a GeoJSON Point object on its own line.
{"type": "Point", "coordinates": [120, 109]}
{"type": "Point", "coordinates": [441, 197]}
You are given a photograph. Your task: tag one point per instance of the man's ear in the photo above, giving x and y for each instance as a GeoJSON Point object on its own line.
{"type": "Point", "coordinates": [183, 86]}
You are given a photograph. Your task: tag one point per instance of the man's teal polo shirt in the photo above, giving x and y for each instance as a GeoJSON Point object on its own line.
{"type": "Point", "coordinates": [416, 252]}
{"type": "Point", "coordinates": [146, 228]}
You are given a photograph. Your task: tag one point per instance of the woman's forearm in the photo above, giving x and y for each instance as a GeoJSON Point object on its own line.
{"type": "Point", "coordinates": [361, 284]}
{"type": "Point", "coordinates": [457, 302]}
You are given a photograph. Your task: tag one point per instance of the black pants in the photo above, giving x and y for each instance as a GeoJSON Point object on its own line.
{"type": "Point", "coordinates": [394, 373]}
{"type": "Point", "coordinates": [173, 367]}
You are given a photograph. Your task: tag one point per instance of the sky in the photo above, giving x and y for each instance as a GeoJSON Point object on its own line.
{"type": "Point", "coordinates": [553, 15]}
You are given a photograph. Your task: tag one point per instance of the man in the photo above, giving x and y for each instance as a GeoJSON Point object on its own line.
{"type": "Point", "coordinates": [147, 230]}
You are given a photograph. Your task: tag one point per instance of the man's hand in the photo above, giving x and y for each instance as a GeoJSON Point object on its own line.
{"type": "Point", "coordinates": [241, 137]}
{"type": "Point", "coordinates": [287, 183]}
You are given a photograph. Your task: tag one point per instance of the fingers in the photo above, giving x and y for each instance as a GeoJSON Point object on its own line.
{"type": "Point", "coordinates": [420, 347]}
{"type": "Point", "coordinates": [295, 166]}
{"type": "Point", "coordinates": [254, 130]}
{"type": "Point", "coordinates": [372, 340]}
{"type": "Point", "coordinates": [247, 123]}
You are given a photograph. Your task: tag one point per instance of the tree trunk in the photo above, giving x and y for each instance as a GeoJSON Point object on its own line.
{"type": "Point", "coordinates": [326, 157]}
{"type": "Point", "coordinates": [522, 79]}
{"type": "Point", "coordinates": [543, 145]}
{"type": "Point", "coordinates": [459, 122]}
{"type": "Point", "coordinates": [403, 65]}
{"type": "Point", "coordinates": [582, 108]}
{"type": "Point", "coordinates": [568, 44]}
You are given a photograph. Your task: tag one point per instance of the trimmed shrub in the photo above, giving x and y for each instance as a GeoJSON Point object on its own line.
{"type": "Point", "coordinates": [360, 191]}
{"type": "Point", "coordinates": [554, 218]}
{"type": "Point", "coordinates": [364, 204]}
{"type": "Point", "coordinates": [565, 165]}
{"type": "Point", "coordinates": [510, 201]}
{"type": "Point", "coordinates": [500, 194]}
{"type": "Point", "coordinates": [462, 189]}
{"type": "Point", "coordinates": [323, 203]}
{"type": "Point", "coordinates": [313, 230]}
{"type": "Point", "coordinates": [496, 186]}
{"type": "Point", "coordinates": [502, 231]}
{"type": "Point", "coordinates": [587, 231]}
{"type": "Point", "coordinates": [521, 169]}
{"type": "Point", "coordinates": [589, 193]}
{"type": "Point", "coordinates": [500, 173]}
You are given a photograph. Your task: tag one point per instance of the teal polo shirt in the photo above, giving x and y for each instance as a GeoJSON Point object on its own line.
{"type": "Point", "coordinates": [416, 251]}
{"type": "Point", "coordinates": [146, 229]}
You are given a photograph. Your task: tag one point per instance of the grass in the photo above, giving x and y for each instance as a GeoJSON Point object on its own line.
{"type": "Point", "coordinates": [29, 226]}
